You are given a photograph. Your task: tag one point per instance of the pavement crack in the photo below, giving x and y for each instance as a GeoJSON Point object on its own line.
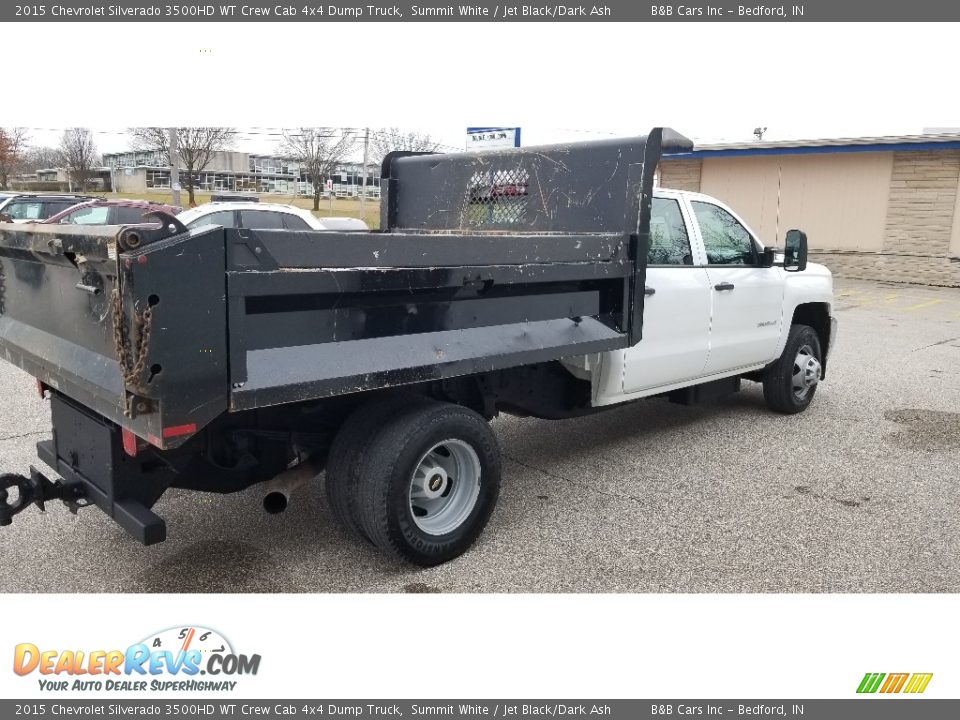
{"type": "Point", "coordinates": [23, 435]}
{"type": "Point", "coordinates": [846, 502]}
{"type": "Point", "coordinates": [942, 342]}
{"type": "Point", "coordinates": [574, 483]}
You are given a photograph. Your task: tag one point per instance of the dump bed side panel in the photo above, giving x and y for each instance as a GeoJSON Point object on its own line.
{"type": "Point", "coordinates": [319, 314]}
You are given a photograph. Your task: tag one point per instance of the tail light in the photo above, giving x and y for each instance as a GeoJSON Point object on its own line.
{"type": "Point", "coordinates": [129, 442]}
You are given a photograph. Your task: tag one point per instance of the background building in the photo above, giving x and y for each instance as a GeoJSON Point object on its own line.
{"type": "Point", "coordinates": [140, 172]}
{"type": "Point", "coordinates": [883, 208]}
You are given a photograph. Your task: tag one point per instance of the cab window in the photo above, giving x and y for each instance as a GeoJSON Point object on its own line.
{"type": "Point", "coordinates": [87, 216]}
{"type": "Point", "coordinates": [261, 220]}
{"type": "Point", "coordinates": [221, 217]}
{"type": "Point", "coordinates": [294, 222]}
{"type": "Point", "coordinates": [52, 207]}
{"type": "Point", "coordinates": [25, 210]}
{"type": "Point", "coordinates": [669, 242]}
{"type": "Point", "coordinates": [725, 240]}
{"type": "Point", "coordinates": [131, 215]}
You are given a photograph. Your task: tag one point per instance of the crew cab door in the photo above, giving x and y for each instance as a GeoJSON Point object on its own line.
{"type": "Point", "coordinates": [746, 299]}
{"type": "Point", "coordinates": [676, 310]}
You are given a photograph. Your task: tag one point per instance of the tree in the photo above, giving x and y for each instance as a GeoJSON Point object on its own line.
{"type": "Point", "coordinates": [386, 140]}
{"type": "Point", "coordinates": [196, 147]}
{"type": "Point", "coordinates": [40, 157]}
{"type": "Point", "coordinates": [318, 150]}
{"type": "Point", "coordinates": [13, 145]}
{"type": "Point", "coordinates": [78, 154]}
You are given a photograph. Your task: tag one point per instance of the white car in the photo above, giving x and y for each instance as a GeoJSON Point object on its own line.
{"type": "Point", "coordinates": [265, 216]}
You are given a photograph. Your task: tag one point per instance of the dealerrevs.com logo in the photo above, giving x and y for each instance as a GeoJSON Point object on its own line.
{"type": "Point", "coordinates": [178, 659]}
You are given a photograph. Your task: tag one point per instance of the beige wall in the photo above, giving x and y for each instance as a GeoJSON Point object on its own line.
{"type": "Point", "coordinates": [136, 182]}
{"type": "Point", "coordinates": [839, 199]}
{"type": "Point", "coordinates": [228, 161]}
{"type": "Point", "coordinates": [680, 174]}
{"type": "Point", "coordinates": [955, 233]}
{"type": "Point", "coordinates": [920, 210]}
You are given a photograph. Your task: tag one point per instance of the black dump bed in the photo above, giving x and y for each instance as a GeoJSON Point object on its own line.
{"type": "Point", "coordinates": [485, 261]}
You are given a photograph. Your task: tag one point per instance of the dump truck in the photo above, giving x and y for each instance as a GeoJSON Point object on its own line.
{"type": "Point", "coordinates": [548, 281]}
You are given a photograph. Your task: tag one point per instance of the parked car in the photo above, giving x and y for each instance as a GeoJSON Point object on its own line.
{"type": "Point", "coordinates": [265, 216]}
{"type": "Point", "coordinates": [108, 212]}
{"type": "Point", "coordinates": [24, 208]}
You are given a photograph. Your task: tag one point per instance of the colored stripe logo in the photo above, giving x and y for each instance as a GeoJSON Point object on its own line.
{"type": "Point", "coordinates": [913, 683]}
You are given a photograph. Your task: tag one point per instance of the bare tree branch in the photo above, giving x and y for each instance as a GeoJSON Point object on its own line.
{"type": "Point", "coordinates": [196, 146]}
{"type": "Point", "coordinates": [318, 150]}
{"type": "Point", "coordinates": [386, 140]}
{"type": "Point", "coordinates": [13, 146]}
{"type": "Point", "coordinates": [78, 154]}
{"type": "Point", "coordinates": [39, 158]}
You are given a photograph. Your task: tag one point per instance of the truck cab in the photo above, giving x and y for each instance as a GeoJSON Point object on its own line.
{"type": "Point", "coordinates": [715, 305]}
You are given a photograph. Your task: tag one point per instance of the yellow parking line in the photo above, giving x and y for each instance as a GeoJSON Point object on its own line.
{"type": "Point", "coordinates": [928, 303]}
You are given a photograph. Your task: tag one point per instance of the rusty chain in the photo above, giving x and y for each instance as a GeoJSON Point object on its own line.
{"type": "Point", "coordinates": [132, 352]}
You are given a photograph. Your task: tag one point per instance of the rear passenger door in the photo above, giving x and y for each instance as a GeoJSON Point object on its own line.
{"type": "Point", "coordinates": [676, 310]}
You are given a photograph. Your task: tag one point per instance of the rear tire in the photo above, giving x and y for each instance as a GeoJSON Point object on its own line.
{"type": "Point", "coordinates": [348, 448]}
{"type": "Point", "coordinates": [790, 383]}
{"type": "Point", "coordinates": [428, 483]}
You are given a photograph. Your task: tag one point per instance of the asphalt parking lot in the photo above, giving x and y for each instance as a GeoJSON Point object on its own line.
{"type": "Point", "coordinates": [858, 494]}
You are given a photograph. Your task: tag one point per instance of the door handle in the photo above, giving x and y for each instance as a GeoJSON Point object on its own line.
{"type": "Point", "coordinates": [723, 286]}
{"type": "Point", "coordinates": [647, 290]}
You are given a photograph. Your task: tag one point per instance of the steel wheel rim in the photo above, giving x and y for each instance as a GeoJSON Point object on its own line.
{"type": "Point", "coordinates": [444, 487]}
{"type": "Point", "coordinates": [806, 372]}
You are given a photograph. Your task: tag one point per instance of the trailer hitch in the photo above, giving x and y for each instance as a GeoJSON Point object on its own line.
{"type": "Point", "coordinates": [36, 489]}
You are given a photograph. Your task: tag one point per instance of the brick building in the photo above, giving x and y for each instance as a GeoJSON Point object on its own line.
{"type": "Point", "coordinates": [884, 208]}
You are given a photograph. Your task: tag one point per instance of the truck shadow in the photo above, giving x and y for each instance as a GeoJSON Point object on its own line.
{"type": "Point", "coordinates": [646, 421]}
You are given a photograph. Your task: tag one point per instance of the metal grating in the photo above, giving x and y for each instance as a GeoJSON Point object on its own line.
{"type": "Point", "coordinates": [497, 198]}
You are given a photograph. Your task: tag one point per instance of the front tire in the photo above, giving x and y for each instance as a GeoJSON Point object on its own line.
{"type": "Point", "coordinates": [428, 483]}
{"type": "Point", "coordinates": [790, 383]}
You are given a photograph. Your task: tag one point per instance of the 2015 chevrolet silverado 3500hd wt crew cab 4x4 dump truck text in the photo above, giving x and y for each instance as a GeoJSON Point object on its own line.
{"type": "Point", "coordinates": [544, 281]}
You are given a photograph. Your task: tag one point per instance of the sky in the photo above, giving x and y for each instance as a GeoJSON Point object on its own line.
{"type": "Point", "coordinates": [711, 82]}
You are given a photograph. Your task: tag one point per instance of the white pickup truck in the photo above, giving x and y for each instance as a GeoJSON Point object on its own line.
{"type": "Point", "coordinates": [716, 312]}
{"type": "Point", "coordinates": [546, 281]}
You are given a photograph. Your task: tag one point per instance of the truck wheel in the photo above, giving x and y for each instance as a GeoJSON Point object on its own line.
{"type": "Point", "coordinates": [790, 383]}
{"type": "Point", "coordinates": [428, 482]}
{"type": "Point", "coordinates": [351, 441]}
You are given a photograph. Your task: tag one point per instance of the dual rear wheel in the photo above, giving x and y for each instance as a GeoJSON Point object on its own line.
{"type": "Point", "coordinates": [416, 477]}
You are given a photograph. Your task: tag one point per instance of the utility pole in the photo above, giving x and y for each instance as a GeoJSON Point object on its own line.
{"type": "Point", "coordinates": [174, 168]}
{"type": "Point", "coordinates": [363, 174]}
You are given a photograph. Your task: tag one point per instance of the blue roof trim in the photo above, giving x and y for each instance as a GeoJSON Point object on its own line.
{"type": "Point", "coordinates": [818, 149]}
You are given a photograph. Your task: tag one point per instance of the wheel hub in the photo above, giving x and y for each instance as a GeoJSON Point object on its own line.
{"type": "Point", "coordinates": [811, 373]}
{"type": "Point", "coordinates": [436, 483]}
{"type": "Point", "coordinates": [444, 487]}
{"type": "Point", "coordinates": [806, 372]}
